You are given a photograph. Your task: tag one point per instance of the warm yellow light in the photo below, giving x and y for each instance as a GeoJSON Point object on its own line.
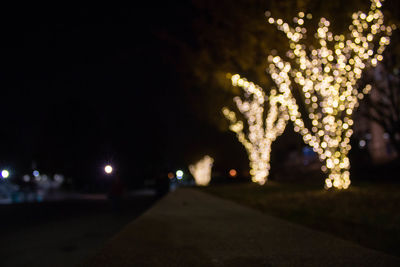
{"type": "Point", "coordinates": [260, 135]}
{"type": "Point", "coordinates": [328, 77]}
{"type": "Point", "coordinates": [201, 171]}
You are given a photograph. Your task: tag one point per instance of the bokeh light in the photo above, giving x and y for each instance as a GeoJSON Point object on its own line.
{"type": "Point", "coordinates": [201, 171]}
{"type": "Point", "coordinates": [259, 137]}
{"type": "Point", "coordinates": [328, 78]}
{"type": "Point", "coordinates": [26, 178]}
{"type": "Point", "coordinates": [179, 174]}
{"type": "Point", "coordinates": [5, 174]}
{"type": "Point", "coordinates": [232, 173]}
{"type": "Point", "coordinates": [108, 169]}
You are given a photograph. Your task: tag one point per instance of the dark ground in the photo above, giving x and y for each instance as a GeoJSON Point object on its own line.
{"type": "Point", "coordinates": [192, 228]}
{"type": "Point", "coordinates": [367, 213]}
{"type": "Point", "coordinates": [62, 233]}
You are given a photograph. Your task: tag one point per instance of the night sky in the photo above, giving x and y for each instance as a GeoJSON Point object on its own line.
{"type": "Point", "coordinates": [85, 85]}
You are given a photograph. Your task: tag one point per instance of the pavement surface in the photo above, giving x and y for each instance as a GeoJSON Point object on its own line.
{"type": "Point", "coordinates": [64, 233]}
{"type": "Point", "coordinates": [192, 228]}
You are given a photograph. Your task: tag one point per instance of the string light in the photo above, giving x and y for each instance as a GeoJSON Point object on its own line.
{"type": "Point", "coordinates": [258, 139]}
{"type": "Point", "coordinates": [201, 171]}
{"type": "Point", "coordinates": [328, 76]}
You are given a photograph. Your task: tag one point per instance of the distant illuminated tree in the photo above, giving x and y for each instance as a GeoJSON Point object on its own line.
{"type": "Point", "coordinates": [327, 77]}
{"type": "Point", "coordinates": [201, 171]}
{"type": "Point", "coordinates": [258, 139]}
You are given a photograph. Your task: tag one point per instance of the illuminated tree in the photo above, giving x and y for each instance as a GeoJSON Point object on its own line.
{"type": "Point", "coordinates": [328, 78]}
{"type": "Point", "coordinates": [258, 139]}
{"type": "Point", "coordinates": [201, 171]}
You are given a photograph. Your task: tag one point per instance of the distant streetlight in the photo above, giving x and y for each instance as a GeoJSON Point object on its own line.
{"type": "Point", "coordinates": [179, 174]}
{"type": "Point", "coordinates": [5, 174]}
{"type": "Point", "coordinates": [108, 169]}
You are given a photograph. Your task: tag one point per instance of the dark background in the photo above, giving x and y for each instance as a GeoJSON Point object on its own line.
{"type": "Point", "coordinates": [85, 85]}
{"type": "Point", "coordinates": [140, 86]}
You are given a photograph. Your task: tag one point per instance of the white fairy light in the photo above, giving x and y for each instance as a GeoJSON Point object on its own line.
{"type": "Point", "coordinates": [258, 139]}
{"type": "Point", "coordinates": [328, 76]}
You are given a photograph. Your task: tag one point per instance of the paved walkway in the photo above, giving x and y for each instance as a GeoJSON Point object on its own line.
{"type": "Point", "coordinates": [191, 228]}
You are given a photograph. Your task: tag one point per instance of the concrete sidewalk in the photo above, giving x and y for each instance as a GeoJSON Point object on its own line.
{"type": "Point", "coordinates": [191, 228]}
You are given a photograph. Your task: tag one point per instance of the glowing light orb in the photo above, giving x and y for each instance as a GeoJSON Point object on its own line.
{"type": "Point", "coordinates": [179, 174]}
{"type": "Point", "coordinates": [232, 173]}
{"type": "Point", "coordinates": [5, 174]}
{"type": "Point", "coordinates": [108, 169]}
{"type": "Point", "coordinates": [171, 175]}
{"type": "Point", "coordinates": [362, 143]}
{"type": "Point", "coordinates": [201, 171]}
{"type": "Point", "coordinates": [36, 173]}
